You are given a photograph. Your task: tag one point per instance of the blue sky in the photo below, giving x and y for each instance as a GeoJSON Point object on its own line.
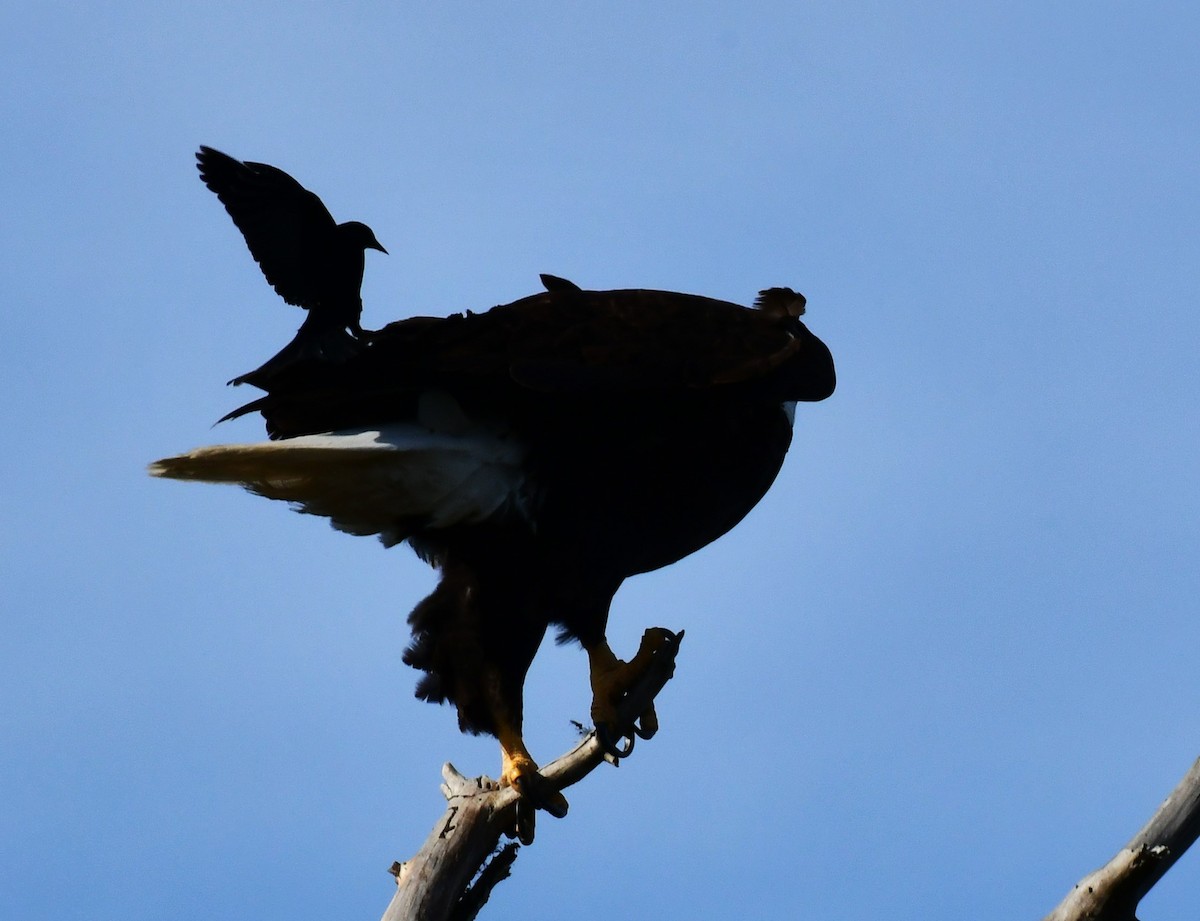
{"type": "Point", "coordinates": [947, 667]}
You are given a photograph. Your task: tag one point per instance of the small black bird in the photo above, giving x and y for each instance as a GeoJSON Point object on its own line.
{"type": "Point", "coordinates": [308, 258]}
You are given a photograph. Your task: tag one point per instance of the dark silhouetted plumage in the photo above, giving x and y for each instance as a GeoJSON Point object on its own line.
{"type": "Point", "coordinates": [308, 258]}
{"type": "Point", "coordinates": [538, 454]}
{"type": "Point", "coordinates": [554, 283]}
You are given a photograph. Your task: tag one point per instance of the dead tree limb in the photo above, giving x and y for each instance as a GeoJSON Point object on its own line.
{"type": "Point", "coordinates": [454, 872]}
{"type": "Point", "coordinates": [1113, 892]}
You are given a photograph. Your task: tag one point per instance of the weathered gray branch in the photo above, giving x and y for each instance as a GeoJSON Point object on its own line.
{"type": "Point", "coordinates": [1113, 892]}
{"type": "Point", "coordinates": [453, 873]}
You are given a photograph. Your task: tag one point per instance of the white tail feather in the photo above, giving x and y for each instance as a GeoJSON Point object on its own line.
{"type": "Point", "coordinates": [370, 482]}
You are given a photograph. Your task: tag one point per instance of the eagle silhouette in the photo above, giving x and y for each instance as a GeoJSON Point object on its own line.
{"type": "Point", "coordinates": [537, 454]}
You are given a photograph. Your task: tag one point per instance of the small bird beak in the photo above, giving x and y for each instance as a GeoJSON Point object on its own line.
{"type": "Point", "coordinates": [377, 246]}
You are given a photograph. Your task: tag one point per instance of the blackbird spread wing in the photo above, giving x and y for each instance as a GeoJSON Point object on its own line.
{"type": "Point", "coordinates": [287, 228]}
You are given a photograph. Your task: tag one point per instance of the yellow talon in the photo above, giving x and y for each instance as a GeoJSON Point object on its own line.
{"type": "Point", "coordinates": [611, 679]}
{"type": "Point", "coordinates": [516, 764]}
{"type": "Point", "coordinates": [519, 771]}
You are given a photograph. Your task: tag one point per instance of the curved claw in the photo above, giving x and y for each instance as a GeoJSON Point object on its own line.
{"type": "Point", "coordinates": [646, 725]}
{"type": "Point", "coordinates": [525, 823]}
{"type": "Point", "coordinates": [537, 793]}
{"type": "Point", "coordinates": [554, 803]}
{"type": "Point", "coordinates": [611, 744]}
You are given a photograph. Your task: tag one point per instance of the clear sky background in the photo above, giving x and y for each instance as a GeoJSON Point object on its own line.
{"type": "Point", "coordinates": [946, 668]}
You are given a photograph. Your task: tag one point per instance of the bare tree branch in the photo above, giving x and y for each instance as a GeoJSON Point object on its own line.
{"type": "Point", "coordinates": [497, 869]}
{"type": "Point", "coordinates": [1113, 892]}
{"type": "Point", "coordinates": [454, 872]}
{"type": "Point", "coordinates": [451, 877]}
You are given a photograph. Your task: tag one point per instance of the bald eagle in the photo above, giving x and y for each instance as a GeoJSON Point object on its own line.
{"type": "Point", "coordinates": [538, 455]}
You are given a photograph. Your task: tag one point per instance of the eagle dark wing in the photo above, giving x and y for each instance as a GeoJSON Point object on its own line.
{"type": "Point", "coordinates": [572, 341]}
{"type": "Point", "coordinates": [287, 228]}
{"type": "Point", "coordinates": [641, 340]}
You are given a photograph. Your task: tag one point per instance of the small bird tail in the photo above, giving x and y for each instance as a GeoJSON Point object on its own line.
{"type": "Point", "coordinates": [313, 347]}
